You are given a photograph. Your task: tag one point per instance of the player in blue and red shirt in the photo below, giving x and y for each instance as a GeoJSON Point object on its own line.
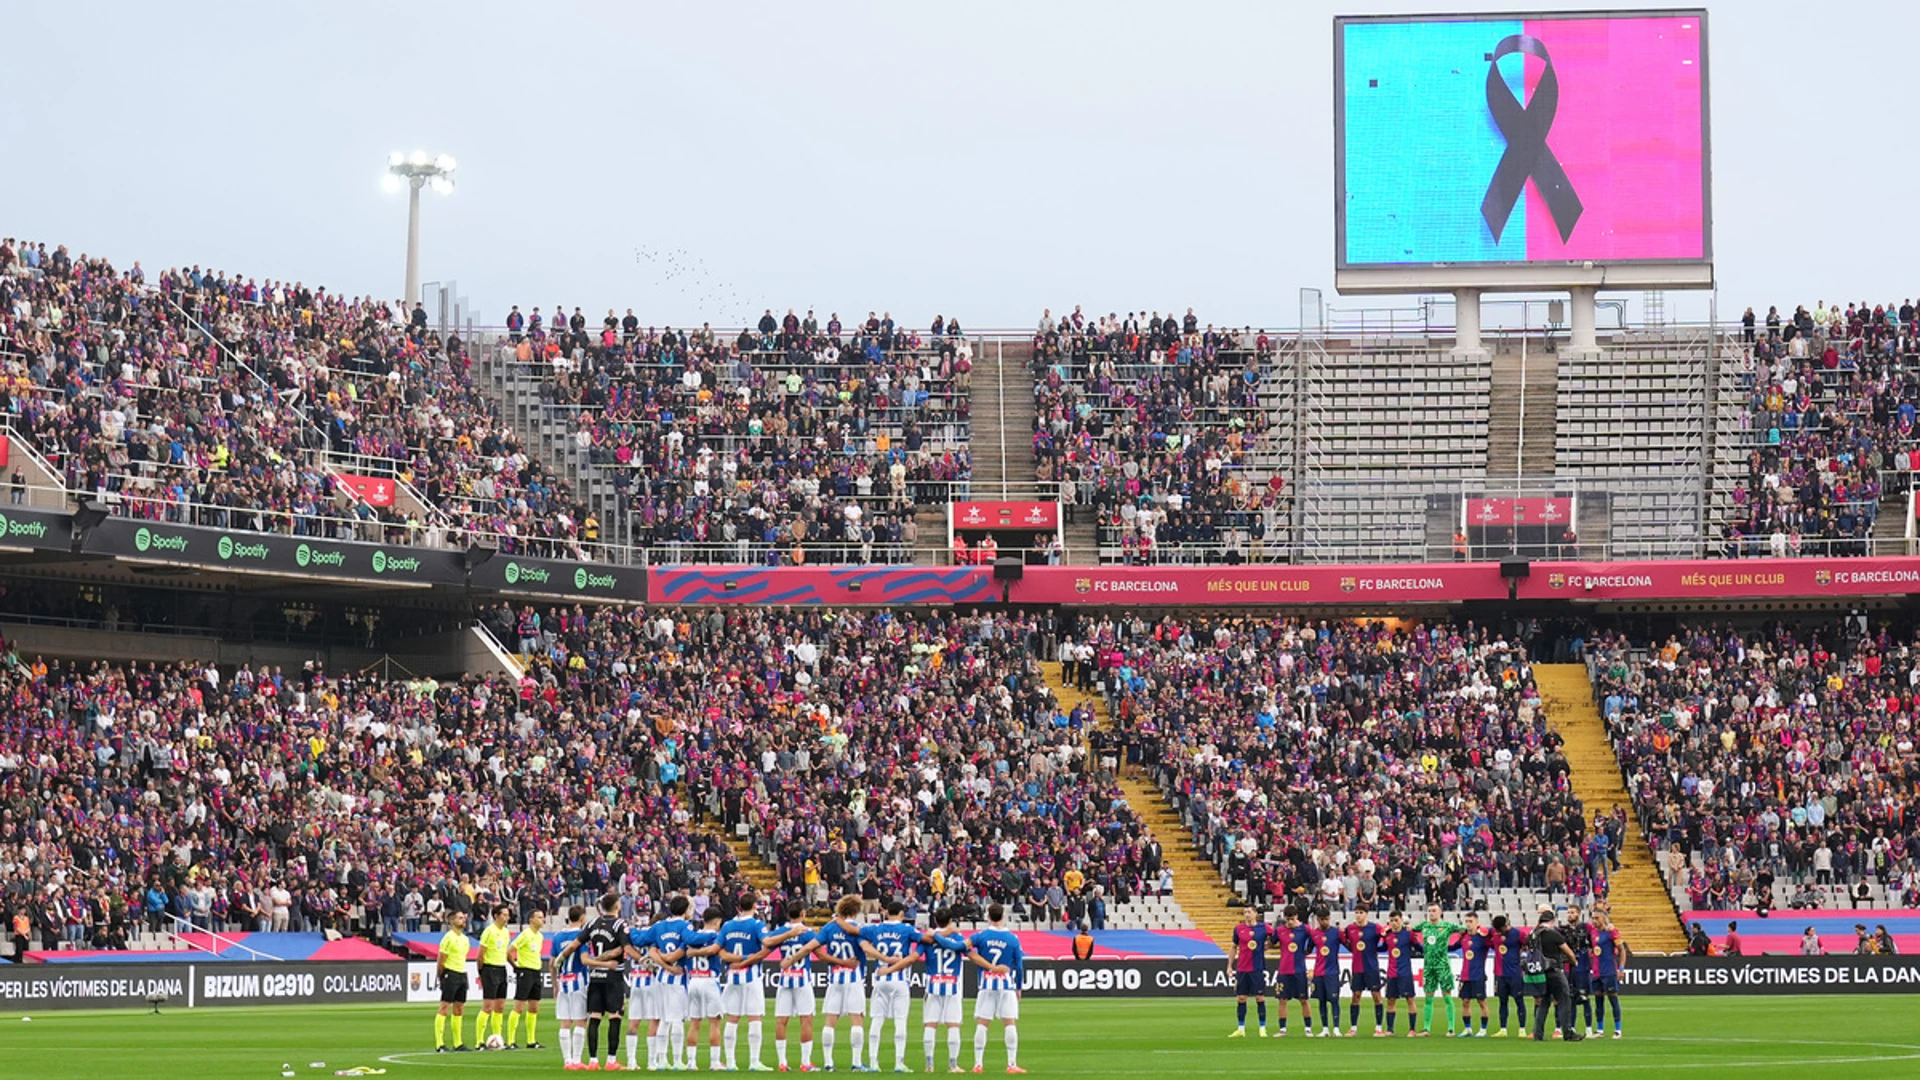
{"type": "Point", "coordinates": [1362, 939]}
{"type": "Point", "coordinates": [1249, 963]}
{"type": "Point", "coordinates": [1609, 956]}
{"type": "Point", "coordinates": [1295, 945]}
{"type": "Point", "coordinates": [1326, 972]}
{"type": "Point", "coordinates": [1399, 947]}
{"type": "Point", "coordinates": [1476, 949]}
{"type": "Point", "coordinates": [1509, 980]}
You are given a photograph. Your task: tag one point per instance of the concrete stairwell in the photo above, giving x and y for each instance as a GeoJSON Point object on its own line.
{"type": "Point", "coordinates": [1890, 528]}
{"type": "Point", "coordinates": [1016, 428]}
{"type": "Point", "coordinates": [1520, 440]}
{"type": "Point", "coordinates": [546, 435]}
{"type": "Point", "coordinates": [1196, 882]}
{"type": "Point", "coordinates": [988, 442]}
{"type": "Point", "coordinates": [1641, 907]}
{"type": "Point", "coordinates": [754, 870]}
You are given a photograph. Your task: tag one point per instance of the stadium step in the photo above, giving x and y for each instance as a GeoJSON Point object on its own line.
{"type": "Point", "coordinates": [1637, 898]}
{"type": "Point", "coordinates": [988, 441]}
{"type": "Point", "coordinates": [1890, 528]}
{"type": "Point", "coordinates": [754, 870]}
{"type": "Point", "coordinates": [1521, 411]}
{"type": "Point", "coordinates": [1211, 906]}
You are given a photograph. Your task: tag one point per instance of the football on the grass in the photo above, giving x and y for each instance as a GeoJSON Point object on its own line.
{"type": "Point", "coordinates": [495, 1042]}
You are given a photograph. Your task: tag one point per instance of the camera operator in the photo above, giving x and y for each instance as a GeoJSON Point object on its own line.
{"type": "Point", "coordinates": [1553, 954]}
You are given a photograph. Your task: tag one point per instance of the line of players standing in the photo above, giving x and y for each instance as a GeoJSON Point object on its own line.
{"type": "Point", "coordinates": [673, 978]}
{"type": "Point", "coordinates": [1571, 963]}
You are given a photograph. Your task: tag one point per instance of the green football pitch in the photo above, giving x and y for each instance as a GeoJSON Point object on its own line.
{"type": "Point", "coordinates": [1862, 1035]}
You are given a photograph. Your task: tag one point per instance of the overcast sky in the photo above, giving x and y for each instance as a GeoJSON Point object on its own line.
{"type": "Point", "coordinates": [983, 160]}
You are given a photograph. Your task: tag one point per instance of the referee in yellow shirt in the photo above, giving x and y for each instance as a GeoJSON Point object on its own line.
{"type": "Point", "coordinates": [493, 974]}
{"type": "Point", "coordinates": [527, 973]}
{"type": "Point", "coordinates": [453, 983]}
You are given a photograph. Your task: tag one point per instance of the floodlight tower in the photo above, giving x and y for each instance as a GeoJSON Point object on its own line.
{"type": "Point", "coordinates": [417, 170]}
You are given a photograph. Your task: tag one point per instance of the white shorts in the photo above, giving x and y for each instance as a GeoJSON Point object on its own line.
{"type": "Point", "coordinates": [997, 1005]}
{"type": "Point", "coordinates": [571, 1004]}
{"type": "Point", "coordinates": [703, 999]}
{"type": "Point", "coordinates": [793, 1001]}
{"type": "Point", "coordinates": [743, 999]}
{"type": "Point", "coordinates": [643, 1002]}
{"type": "Point", "coordinates": [890, 1000]}
{"type": "Point", "coordinates": [846, 999]}
{"type": "Point", "coordinates": [943, 1009]}
{"type": "Point", "coordinates": [671, 999]}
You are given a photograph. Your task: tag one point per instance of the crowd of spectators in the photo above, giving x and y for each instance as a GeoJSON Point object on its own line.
{"type": "Point", "coordinates": [1830, 414]}
{"type": "Point", "coordinates": [210, 399]}
{"type": "Point", "coordinates": [1778, 755]}
{"type": "Point", "coordinates": [915, 755]}
{"type": "Point", "coordinates": [1364, 762]}
{"type": "Point", "coordinates": [793, 442]}
{"type": "Point", "coordinates": [1154, 425]}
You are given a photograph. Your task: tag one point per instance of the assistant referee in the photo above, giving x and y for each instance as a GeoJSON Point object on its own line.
{"type": "Point", "coordinates": [452, 964]}
{"type": "Point", "coordinates": [527, 972]}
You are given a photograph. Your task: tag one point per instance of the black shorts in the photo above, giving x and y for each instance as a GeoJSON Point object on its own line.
{"type": "Point", "coordinates": [453, 987]}
{"type": "Point", "coordinates": [493, 982]}
{"type": "Point", "coordinates": [526, 984]}
{"type": "Point", "coordinates": [607, 997]}
{"type": "Point", "coordinates": [1250, 983]}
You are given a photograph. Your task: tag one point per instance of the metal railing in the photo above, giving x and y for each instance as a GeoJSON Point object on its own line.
{"type": "Point", "coordinates": [225, 943]}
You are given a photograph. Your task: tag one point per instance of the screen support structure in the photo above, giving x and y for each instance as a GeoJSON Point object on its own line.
{"type": "Point", "coordinates": [1466, 326]}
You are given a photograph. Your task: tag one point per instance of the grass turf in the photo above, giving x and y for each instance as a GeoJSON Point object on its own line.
{"type": "Point", "coordinates": [1865, 1035]}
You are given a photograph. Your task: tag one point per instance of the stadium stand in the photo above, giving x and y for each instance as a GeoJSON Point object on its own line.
{"type": "Point", "coordinates": [211, 399]}
{"type": "Point", "coordinates": [911, 754]}
{"type": "Point", "coordinates": [792, 443]}
{"type": "Point", "coordinates": [1355, 761]}
{"type": "Point", "coordinates": [1161, 428]}
{"type": "Point", "coordinates": [1772, 768]}
{"type": "Point", "coordinates": [1823, 411]}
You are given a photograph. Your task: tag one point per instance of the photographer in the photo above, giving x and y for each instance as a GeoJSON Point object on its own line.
{"type": "Point", "coordinates": [1548, 951]}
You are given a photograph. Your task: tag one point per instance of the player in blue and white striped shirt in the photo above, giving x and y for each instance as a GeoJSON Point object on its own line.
{"type": "Point", "coordinates": [793, 989]}
{"type": "Point", "coordinates": [666, 1040]}
{"type": "Point", "coordinates": [997, 950]}
{"type": "Point", "coordinates": [570, 988]}
{"type": "Point", "coordinates": [642, 1005]}
{"type": "Point", "coordinates": [744, 942]}
{"type": "Point", "coordinates": [946, 954]}
{"type": "Point", "coordinates": [894, 946]}
{"type": "Point", "coordinates": [841, 950]}
{"type": "Point", "coordinates": [703, 988]}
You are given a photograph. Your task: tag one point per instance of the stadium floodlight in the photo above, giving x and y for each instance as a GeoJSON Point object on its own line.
{"type": "Point", "coordinates": [417, 170]}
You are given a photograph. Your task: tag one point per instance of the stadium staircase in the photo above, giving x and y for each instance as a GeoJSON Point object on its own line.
{"type": "Point", "coordinates": [755, 870]}
{"type": "Point", "coordinates": [988, 441]}
{"type": "Point", "coordinates": [1196, 882]}
{"type": "Point", "coordinates": [1638, 900]}
{"type": "Point", "coordinates": [1890, 528]}
{"type": "Point", "coordinates": [1520, 412]}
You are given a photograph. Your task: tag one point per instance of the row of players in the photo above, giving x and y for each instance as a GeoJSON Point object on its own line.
{"type": "Point", "coordinates": [1571, 962]}
{"type": "Point", "coordinates": [679, 980]}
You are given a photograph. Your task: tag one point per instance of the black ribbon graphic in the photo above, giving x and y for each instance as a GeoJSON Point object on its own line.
{"type": "Point", "coordinates": [1525, 127]}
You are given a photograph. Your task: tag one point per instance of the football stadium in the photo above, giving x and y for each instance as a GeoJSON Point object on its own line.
{"type": "Point", "coordinates": [1490, 643]}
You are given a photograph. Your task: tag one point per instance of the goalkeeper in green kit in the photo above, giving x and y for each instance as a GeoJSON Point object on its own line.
{"type": "Point", "coordinates": [1435, 937]}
